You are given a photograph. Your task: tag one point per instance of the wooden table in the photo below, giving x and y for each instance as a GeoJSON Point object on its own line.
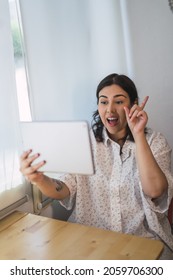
{"type": "Point", "coordinates": [31, 237]}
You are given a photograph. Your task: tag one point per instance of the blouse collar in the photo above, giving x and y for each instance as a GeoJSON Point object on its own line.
{"type": "Point", "coordinates": [107, 140]}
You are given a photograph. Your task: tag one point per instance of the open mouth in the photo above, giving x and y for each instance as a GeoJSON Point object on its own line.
{"type": "Point", "coordinates": [112, 121]}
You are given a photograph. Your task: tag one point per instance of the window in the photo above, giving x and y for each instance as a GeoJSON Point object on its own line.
{"type": "Point", "coordinates": [20, 62]}
{"type": "Point", "coordinates": [14, 105]}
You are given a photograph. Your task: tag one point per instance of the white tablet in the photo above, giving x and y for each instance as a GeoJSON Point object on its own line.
{"type": "Point", "coordinates": [64, 145]}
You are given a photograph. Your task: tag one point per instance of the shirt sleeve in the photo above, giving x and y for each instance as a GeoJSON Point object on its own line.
{"type": "Point", "coordinates": [70, 181]}
{"type": "Point", "coordinates": [162, 154]}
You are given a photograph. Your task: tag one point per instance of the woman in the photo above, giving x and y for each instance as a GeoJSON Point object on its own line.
{"type": "Point", "coordinates": [132, 186]}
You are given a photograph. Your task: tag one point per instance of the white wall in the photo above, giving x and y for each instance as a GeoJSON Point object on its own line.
{"type": "Point", "coordinates": [151, 32]}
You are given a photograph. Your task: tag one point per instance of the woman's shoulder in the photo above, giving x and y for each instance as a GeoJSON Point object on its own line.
{"type": "Point", "coordinates": [156, 138]}
{"type": "Point", "coordinates": [150, 133]}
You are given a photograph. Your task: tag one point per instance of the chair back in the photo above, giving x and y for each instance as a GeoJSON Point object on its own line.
{"type": "Point", "coordinates": [170, 214]}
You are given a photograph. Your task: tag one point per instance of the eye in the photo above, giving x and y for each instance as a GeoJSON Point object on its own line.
{"type": "Point", "coordinates": [103, 102]}
{"type": "Point", "coordinates": [119, 102]}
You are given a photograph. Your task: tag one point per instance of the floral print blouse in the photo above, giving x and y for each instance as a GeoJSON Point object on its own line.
{"type": "Point", "coordinates": [112, 198]}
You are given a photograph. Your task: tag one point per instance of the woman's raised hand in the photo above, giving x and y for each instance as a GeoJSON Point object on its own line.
{"type": "Point", "coordinates": [136, 117]}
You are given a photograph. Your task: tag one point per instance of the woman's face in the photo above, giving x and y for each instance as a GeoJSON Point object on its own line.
{"type": "Point", "coordinates": [112, 100]}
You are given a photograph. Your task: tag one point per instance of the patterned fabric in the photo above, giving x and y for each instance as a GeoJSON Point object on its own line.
{"type": "Point", "coordinates": [113, 199]}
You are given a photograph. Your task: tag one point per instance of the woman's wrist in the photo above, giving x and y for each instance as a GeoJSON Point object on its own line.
{"type": "Point", "coordinates": [139, 136]}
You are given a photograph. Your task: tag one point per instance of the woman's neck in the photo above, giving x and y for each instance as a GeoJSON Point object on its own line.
{"type": "Point", "coordinates": [120, 138]}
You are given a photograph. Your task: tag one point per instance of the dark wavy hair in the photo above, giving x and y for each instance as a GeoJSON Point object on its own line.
{"type": "Point", "coordinates": [126, 84]}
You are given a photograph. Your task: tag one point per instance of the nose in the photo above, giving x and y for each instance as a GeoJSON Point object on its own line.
{"type": "Point", "coordinates": [110, 108]}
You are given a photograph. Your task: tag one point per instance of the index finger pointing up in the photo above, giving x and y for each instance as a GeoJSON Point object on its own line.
{"type": "Point", "coordinates": [144, 102]}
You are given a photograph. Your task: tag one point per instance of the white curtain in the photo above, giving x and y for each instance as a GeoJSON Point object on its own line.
{"type": "Point", "coordinates": [71, 45]}
{"type": "Point", "coordinates": [11, 188]}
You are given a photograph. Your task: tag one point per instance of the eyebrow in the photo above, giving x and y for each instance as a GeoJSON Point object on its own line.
{"type": "Point", "coordinates": [117, 95]}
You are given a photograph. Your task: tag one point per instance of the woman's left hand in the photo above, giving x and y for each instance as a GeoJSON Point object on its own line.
{"type": "Point", "coordinates": [136, 117]}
